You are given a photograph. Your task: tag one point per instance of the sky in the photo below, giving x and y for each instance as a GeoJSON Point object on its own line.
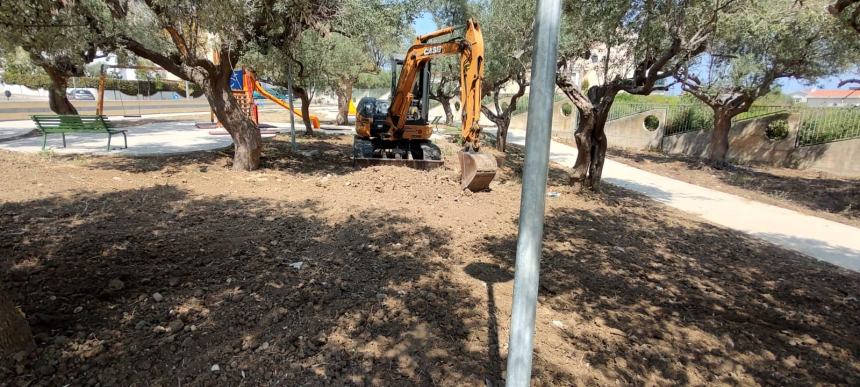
{"type": "Point", "coordinates": [425, 24]}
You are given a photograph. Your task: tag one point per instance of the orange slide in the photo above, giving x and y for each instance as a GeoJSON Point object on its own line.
{"type": "Point", "coordinates": [315, 121]}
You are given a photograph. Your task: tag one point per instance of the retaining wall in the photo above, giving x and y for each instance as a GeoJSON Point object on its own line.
{"type": "Point", "coordinates": [749, 144]}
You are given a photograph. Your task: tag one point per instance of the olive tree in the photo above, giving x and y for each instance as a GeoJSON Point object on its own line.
{"type": "Point", "coordinates": [847, 10]}
{"type": "Point", "coordinates": [302, 61]}
{"type": "Point", "coordinates": [363, 39]}
{"type": "Point", "coordinates": [633, 46]}
{"type": "Point", "coordinates": [202, 42]}
{"type": "Point", "coordinates": [445, 77]}
{"type": "Point", "coordinates": [752, 50]}
{"type": "Point", "coordinates": [508, 31]}
{"type": "Point", "coordinates": [56, 38]}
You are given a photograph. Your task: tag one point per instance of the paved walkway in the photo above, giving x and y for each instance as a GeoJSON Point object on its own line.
{"type": "Point", "coordinates": [159, 138]}
{"type": "Point", "coordinates": [826, 240]}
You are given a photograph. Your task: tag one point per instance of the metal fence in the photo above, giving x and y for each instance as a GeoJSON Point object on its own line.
{"type": "Point", "coordinates": [620, 110]}
{"type": "Point", "coordinates": [817, 125]}
{"type": "Point", "coordinates": [822, 125]}
{"type": "Point", "coordinates": [761, 111]}
{"type": "Point", "coordinates": [687, 118]}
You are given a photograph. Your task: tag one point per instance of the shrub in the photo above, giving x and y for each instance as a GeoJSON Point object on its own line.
{"type": "Point", "coordinates": [777, 130]}
{"type": "Point", "coordinates": [566, 109]}
{"type": "Point", "coordinates": [652, 122]}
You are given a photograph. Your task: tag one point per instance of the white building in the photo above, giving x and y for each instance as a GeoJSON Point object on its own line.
{"type": "Point", "coordinates": [833, 98]}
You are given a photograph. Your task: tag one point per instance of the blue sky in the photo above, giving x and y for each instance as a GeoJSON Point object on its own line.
{"type": "Point", "coordinates": [425, 24]}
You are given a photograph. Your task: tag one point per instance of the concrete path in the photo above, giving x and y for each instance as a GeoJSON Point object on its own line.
{"type": "Point", "coordinates": [160, 138]}
{"type": "Point", "coordinates": [826, 240]}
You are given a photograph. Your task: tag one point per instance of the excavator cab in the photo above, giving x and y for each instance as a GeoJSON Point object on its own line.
{"type": "Point", "coordinates": [398, 131]}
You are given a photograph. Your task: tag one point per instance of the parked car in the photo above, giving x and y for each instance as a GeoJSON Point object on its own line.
{"type": "Point", "coordinates": [81, 94]}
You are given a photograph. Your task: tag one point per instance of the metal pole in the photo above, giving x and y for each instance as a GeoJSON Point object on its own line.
{"type": "Point", "coordinates": [532, 204]}
{"type": "Point", "coordinates": [292, 95]}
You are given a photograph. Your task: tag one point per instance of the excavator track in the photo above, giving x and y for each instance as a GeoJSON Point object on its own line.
{"type": "Point", "coordinates": [418, 154]}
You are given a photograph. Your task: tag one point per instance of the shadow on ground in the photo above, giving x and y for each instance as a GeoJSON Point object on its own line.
{"type": "Point", "coordinates": [655, 299]}
{"type": "Point", "coordinates": [318, 154]}
{"type": "Point", "coordinates": [370, 304]}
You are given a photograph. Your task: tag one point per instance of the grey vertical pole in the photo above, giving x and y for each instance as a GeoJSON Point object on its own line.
{"type": "Point", "coordinates": [292, 95]}
{"type": "Point", "coordinates": [532, 204]}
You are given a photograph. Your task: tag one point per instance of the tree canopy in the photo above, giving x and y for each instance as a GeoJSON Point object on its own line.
{"type": "Point", "coordinates": [757, 46]}
{"type": "Point", "coordinates": [630, 46]}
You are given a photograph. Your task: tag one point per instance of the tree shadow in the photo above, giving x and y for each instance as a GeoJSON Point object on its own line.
{"type": "Point", "coordinates": [269, 291]}
{"type": "Point", "coordinates": [318, 154]}
{"type": "Point", "coordinates": [661, 299]}
{"type": "Point", "coordinates": [515, 157]}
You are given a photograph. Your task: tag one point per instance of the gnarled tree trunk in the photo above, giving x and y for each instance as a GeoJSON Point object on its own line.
{"type": "Point", "coordinates": [344, 95]}
{"type": "Point", "coordinates": [719, 147]}
{"type": "Point", "coordinates": [502, 114]}
{"type": "Point", "coordinates": [57, 99]}
{"type": "Point", "coordinates": [590, 136]}
{"type": "Point", "coordinates": [446, 106]}
{"type": "Point", "coordinates": [15, 333]}
{"type": "Point", "coordinates": [591, 149]}
{"type": "Point", "coordinates": [247, 142]}
{"type": "Point", "coordinates": [306, 108]}
{"type": "Point", "coordinates": [502, 121]}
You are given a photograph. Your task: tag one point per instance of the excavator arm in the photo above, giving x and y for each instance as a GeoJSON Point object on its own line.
{"type": "Point", "coordinates": [471, 50]}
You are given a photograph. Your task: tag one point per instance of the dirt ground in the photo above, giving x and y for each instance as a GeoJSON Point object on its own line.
{"type": "Point", "coordinates": [811, 192]}
{"type": "Point", "coordinates": [178, 271]}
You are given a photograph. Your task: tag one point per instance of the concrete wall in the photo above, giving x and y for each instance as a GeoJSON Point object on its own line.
{"type": "Point", "coordinates": [749, 144]}
{"type": "Point", "coordinates": [562, 126]}
{"type": "Point", "coordinates": [630, 132]}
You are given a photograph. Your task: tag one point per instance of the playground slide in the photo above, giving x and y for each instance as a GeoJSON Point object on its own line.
{"type": "Point", "coordinates": [315, 121]}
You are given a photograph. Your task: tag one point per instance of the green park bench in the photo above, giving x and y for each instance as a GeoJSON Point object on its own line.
{"type": "Point", "coordinates": [63, 124]}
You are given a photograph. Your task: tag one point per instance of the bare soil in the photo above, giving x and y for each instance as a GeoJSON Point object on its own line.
{"type": "Point", "coordinates": [811, 192]}
{"type": "Point", "coordinates": [309, 272]}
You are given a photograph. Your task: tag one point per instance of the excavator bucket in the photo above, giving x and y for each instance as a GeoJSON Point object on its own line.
{"type": "Point", "coordinates": [477, 170]}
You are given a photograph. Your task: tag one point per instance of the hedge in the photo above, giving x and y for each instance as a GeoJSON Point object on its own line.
{"type": "Point", "coordinates": [145, 88]}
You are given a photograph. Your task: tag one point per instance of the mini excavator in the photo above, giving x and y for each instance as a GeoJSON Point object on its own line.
{"type": "Point", "coordinates": [398, 132]}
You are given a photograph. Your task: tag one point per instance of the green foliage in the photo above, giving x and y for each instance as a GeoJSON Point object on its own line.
{"type": "Point", "coordinates": [566, 109]}
{"type": "Point", "coordinates": [687, 118]}
{"type": "Point", "coordinates": [777, 130]}
{"type": "Point", "coordinates": [767, 41]}
{"type": "Point", "coordinates": [633, 33]}
{"type": "Point", "coordinates": [368, 34]}
{"type": "Point", "coordinates": [507, 28]}
{"type": "Point", "coordinates": [649, 99]}
{"type": "Point", "coordinates": [17, 61]}
{"type": "Point", "coordinates": [378, 80]}
{"type": "Point", "coordinates": [652, 122]}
